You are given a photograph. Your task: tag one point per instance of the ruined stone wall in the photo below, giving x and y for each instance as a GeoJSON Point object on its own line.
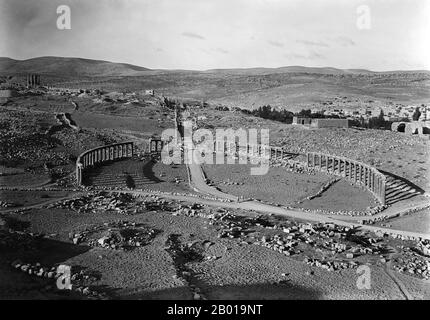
{"type": "Point", "coordinates": [352, 170]}
{"type": "Point", "coordinates": [410, 128]}
{"type": "Point", "coordinates": [90, 158]}
{"type": "Point", "coordinates": [330, 123]}
{"type": "Point", "coordinates": [7, 93]}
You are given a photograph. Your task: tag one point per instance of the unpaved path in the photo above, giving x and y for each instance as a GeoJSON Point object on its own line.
{"type": "Point", "coordinates": [393, 276]}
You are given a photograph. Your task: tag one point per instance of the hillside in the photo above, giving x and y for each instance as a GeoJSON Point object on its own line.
{"type": "Point", "coordinates": [69, 66]}
{"type": "Point", "coordinates": [292, 87]}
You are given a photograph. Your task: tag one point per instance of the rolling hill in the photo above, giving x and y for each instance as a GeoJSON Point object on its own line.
{"type": "Point", "coordinates": [69, 67]}
{"type": "Point", "coordinates": [291, 86]}
{"type": "Point", "coordinates": [98, 68]}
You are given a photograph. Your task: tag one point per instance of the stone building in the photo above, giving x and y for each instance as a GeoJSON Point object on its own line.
{"type": "Point", "coordinates": [330, 123]}
{"type": "Point", "coordinates": [302, 120]}
{"type": "Point", "coordinates": [5, 94]}
{"type": "Point", "coordinates": [414, 127]}
{"type": "Point", "coordinates": [322, 122]}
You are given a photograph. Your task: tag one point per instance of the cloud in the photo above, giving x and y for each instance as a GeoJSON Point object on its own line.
{"type": "Point", "coordinates": [315, 56]}
{"type": "Point", "coordinates": [344, 41]}
{"type": "Point", "coordinates": [294, 56]}
{"type": "Point", "coordinates": [193, 35]}
{"type": "Point", "coordinates": [310, 56]}
{"type": "Point", "coordinates": [313, 43]}
{"type": "Point", "coordinates": [275, 43]}
{"type": "Point", "coordinates": [221, 50]}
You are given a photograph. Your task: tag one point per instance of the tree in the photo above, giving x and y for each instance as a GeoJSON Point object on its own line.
{"type": "Point", "coordinates": [416, 114]}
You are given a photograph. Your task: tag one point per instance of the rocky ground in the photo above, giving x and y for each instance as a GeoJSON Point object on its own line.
{"type": "Point", "coordinates": [123, 245]}
{"type": "Point", "coordinates": [301, 190]}
{"type": "Point", "coordinates": [400, 154]}
{"type": "Point", "coordinates": [168, 249]}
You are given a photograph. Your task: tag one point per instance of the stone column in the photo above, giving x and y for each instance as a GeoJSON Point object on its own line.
{"type": "Point", "coordinates": [383, 191]}
{"type": "Point", "coordinates": [377, 186]}
{"type": "Point", "coordinates": [364, 176]}
{"type": "Point", "coordinates": [347, 169]}
{"type": "Point", "coordinates": [353, 172]}
{"type": "Point", "coordinates": [367, 177]}
{"type": "Point", "coordinates": [79, 172]}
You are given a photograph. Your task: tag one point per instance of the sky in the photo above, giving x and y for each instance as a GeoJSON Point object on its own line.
{"type": "Point", "coordinates": [379, 35]}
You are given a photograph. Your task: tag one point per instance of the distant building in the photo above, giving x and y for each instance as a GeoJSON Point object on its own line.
{"type": "Point", "coordinates": [330, 123]}
{"type": "Point", "coordinates": [5, 94]}
{"type": "Point", "coordinates": [412, 128]}
{"type": "Point", "coordinates": [149, 92]}
{"type": "Point", "coordinates": [302, 120]}
{"type": "Point", "coordinates": [322, 122]}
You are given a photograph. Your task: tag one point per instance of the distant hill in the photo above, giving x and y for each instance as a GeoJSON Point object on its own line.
{"type": "Point", "coordinates": [73, 67]}
{"type": "Point", "coordinates": [292, 87]}
{"type": "Point", "coordinates": [288, 69]}
{"type": "Point", "coordinates": [69, 67]}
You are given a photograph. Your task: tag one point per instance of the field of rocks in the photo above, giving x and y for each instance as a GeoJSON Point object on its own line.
{"type": "Point", "coordinates": [400, 154]}
{"type": "Point", "coordinates": [123, 240]}
{"type": "Point", "coordinates": [168, 249]}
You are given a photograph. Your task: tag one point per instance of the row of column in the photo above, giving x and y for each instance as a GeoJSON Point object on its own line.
{"type": "Point", "coordinates": [250, 149]}
{"type": "Point", "coordinates": [102, 154]}
{"type": "Point", "coordinates": [278, 153]}
{"type": "Point", "coordinates": [155, 145]}
{"type": "Point", "coordinates": [33, 80]}
{"type": "Point", "coordinates": [357, 172]}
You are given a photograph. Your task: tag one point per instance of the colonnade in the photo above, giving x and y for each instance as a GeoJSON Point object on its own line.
{"type": "Point", "coordinates": [155, 145]}
{"type": "Point", "coordinates": [33, 80]}
{"type": "Point", "coordinates": [354, 171]}
{"type": "Point", "coordinates": [101, 154]}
